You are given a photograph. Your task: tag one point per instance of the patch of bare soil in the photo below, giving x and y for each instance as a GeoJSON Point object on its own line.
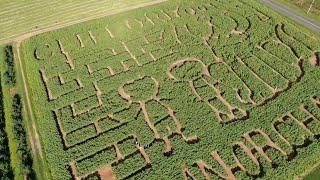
{"type": "Point", "coordinates": [11, 92]}
{"type": "Point", "coordinates": [315, 61]}
{"type": "Point", "coordinates": [106, 174]}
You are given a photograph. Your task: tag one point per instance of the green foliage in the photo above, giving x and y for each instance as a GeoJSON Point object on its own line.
{"type": "Point", "coordinates": [189, 71]}
{"type": "Point", "coordinates": [20, 136]}
{"type": "Point", "coordinates": [10, 74]}
{"type": "Point", "coordinates": [5, 166]}
{"type": "Point", "coordinates": [212, 69]}
{"type": "Point", "coordinates": [142, 89]}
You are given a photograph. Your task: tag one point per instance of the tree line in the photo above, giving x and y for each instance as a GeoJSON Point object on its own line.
{"type": "Point", "coordinates": [20, 136]}
{"type": "Point", "coordinates": [5, 167]}
{"type": "Point", "coordinates": [10, 74]}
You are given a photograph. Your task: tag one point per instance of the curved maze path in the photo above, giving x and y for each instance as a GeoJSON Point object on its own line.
{"type": "Point", "coordinates": [181, 87]}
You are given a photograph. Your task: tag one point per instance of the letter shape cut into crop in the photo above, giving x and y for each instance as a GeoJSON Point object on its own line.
{"type": "Point", "coordinates": [196, 74]}
{"type": "Point", "coordinates": [144, 91]}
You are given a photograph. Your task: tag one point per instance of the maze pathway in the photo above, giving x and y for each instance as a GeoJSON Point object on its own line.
{"type": "Point", "coordinates": [120, 94]}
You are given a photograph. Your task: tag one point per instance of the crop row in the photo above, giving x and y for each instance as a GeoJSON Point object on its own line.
{"type": "Point", "coordinates": [206, 64]}
{"type": "Point", "coordinates": [259, 150]}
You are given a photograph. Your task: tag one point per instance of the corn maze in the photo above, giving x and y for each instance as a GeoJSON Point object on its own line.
{"type": "Point", "coordinates": [201, 89]}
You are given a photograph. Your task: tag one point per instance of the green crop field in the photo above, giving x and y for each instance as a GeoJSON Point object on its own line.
{"type": "Point", "coordinates": [19, 17]}
{"type": "Point", "coordinates": [185, 89]}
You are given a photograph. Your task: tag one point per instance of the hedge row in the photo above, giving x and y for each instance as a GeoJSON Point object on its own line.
{"type": "Point", "coordinates": [20, 136]}
{"type": "Point", "coordinates": [5, 167]}
{"type": "Point", "coordinates": [10, 74]}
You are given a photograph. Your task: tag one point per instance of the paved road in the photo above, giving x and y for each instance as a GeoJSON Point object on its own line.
{"type": "Point", "coordinates": [293, 15]}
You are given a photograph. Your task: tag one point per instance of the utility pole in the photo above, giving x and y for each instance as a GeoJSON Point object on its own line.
{"type": "Point", "coordinates": [310, 6]}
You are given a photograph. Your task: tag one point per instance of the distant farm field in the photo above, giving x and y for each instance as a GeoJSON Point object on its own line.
{"type": "Point", "coordinates": [302, 7]}
{"type": "Point", "coordinates": [193, 89]}
{"type": "Point", "coordinates": [19, 17]}
{"type": "Point", "coordinates": [305, 5]}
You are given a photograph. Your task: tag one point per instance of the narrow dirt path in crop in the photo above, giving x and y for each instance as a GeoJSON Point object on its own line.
{"type": "Point", "coordinates": [59, 26]}
{"type": "Point", "coordinates": [35, 145]}
{"type": "Point", "coordinates": [34, 136]}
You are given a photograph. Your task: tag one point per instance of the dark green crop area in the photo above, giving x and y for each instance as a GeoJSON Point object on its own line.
{"type": "Point", "coordinates": [190, 89]}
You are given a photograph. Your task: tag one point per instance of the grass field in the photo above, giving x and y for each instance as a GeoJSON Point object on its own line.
{"type": "Point", "coordinates": [314, 173]}
{"type": "Point", "coordinates": [302, 6]}
{"type": "Point", "coordinates": [305, 5]}
{"type": "Point", "coordinates": [20, 17]}
{"type": "Point", "coordinates": [182, 89]}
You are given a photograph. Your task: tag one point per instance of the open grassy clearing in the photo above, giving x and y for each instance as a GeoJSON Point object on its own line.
{"type": "Point", "coordinates": [20, 17]}
{"type": "Point", "coordinates": [192, 89]}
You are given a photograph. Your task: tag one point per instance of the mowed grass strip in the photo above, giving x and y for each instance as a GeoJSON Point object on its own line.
{"type": "Point", "coordinates": [20, 17]}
